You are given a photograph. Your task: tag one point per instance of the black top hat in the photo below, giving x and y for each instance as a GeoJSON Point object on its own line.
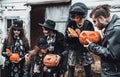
{"type": "Point", "coordinates": [50, 24]}
{"type": "Point", "coordinates": [17, 24]}
{"type": "Point", "coordinates": [42, 43]}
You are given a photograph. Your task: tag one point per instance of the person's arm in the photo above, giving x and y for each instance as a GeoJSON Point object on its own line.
{"type": "Point", "coordinates": [112, 51]}
{"type": "Point", "coordinates": [4, 49]}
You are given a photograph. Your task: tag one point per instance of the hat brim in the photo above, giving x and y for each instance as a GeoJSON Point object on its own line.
{"type": "Point", "coordinates": [44, 46]}
{"type": "Point", "coordinates": [16, 28]}
{"type": "Point", "coordinates": [46, 26]}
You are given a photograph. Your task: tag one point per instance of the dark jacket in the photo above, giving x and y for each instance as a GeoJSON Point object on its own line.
{"type": "Point", "coordinates": [59, 45]}
{"type": "Point", "coordinates": [36, 59]}
{"type": "Point", "coordinates": [109, 50]}
{"type": "Point", "coordinates": [73, 43]}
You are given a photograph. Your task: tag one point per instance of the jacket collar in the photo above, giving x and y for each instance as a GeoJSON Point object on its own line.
{"type": "Point", "coordinates": [112, 22]}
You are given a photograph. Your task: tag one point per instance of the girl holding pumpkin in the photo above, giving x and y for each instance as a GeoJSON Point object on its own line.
{"type": "Point", "coordinates": [78, 54]}
{"type": "Point", "coordinates": [15, 43]}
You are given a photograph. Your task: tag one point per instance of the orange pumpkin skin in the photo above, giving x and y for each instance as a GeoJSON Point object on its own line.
{"type": "Point", "coordinates": [14, 57]}
{"type": "Point", "coordinates": [72, 31]}
{"type": "Point", "coordinates": [50, 60]}
{"type": "Point", "coordinates": [93, 36]}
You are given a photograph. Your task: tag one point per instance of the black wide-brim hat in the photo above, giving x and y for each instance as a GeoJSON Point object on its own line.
{"type": "Point", "coordinates": [50, 24]}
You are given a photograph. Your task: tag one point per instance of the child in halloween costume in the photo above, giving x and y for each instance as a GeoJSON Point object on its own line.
{"type": "Point", "coordinates": [38, 69]}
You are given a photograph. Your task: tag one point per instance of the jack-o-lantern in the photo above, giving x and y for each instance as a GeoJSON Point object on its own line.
{"type": "Point", "coordinates": [92, 36]}
{"type": "Point", "coordinates": [51, 60]}
{"type": "Point", "coordinates": [14, 57]}
{"type": "Point", "coordinates": [72, 31]}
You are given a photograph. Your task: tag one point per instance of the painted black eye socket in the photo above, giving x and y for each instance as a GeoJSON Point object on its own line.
{"type": "Point", "coordinates": [17, 29]}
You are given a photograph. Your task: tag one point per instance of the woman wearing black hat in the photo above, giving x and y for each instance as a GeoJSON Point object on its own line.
{"type": "Point", "coordinates": [16, 42]}
{"type": "Point", "coordinates": [56, 43]}
{"type": "Point", "coordinates": [78, 55]}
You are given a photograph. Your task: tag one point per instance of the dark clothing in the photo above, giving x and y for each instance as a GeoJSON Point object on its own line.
{"type": "Point", "coordinates": [78, 54]}
{"type": "Point", "coordinates": [15, 69]}
{"type": "Point", "coordinates": [109, 50]}
{"type": "Point", "coordinates": [37, 66]}
{"type": "Point", "coordinates": [57, 46]}
{"type": "Point", "coordinates": [87, 69]}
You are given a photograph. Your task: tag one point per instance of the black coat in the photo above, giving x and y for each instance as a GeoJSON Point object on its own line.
{"type": "Point", "coordinates": [73, 43]}
{"type": "Point", "coordinates": [78, 54]}
{"type": "Point", "coordinates": [109, 50]}
{"type": "Point", "coordinates": [59, 45]}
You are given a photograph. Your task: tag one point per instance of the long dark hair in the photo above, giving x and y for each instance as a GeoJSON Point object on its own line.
{"type": "Point", "coordinates": [10, 37]}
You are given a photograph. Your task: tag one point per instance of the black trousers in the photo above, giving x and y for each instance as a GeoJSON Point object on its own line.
{"type": "Point", "coordinates": [87, 69]}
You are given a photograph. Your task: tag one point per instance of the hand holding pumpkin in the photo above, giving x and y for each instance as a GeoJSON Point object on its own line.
{"type": "Point", "coordinates": [72, 33]}
{"type": "Point", "coordinates": [8, 52]}
{"type": "Point", "coordinates": [89, 36]}
{"type": "Point", "coordinates": [51, 60]}
{"type": "Point", "coordinates": [15, 58]}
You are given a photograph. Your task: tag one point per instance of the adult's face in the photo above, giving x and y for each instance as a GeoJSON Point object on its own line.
{"type": "Point", "coordinates": [46, 31]}
{"type": "Point", "coordinates": [99, 22]}
{"type": "Point", "coordinates": [16, 32]}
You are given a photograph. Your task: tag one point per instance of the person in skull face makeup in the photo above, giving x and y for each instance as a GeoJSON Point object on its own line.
{"type": "Point", "coordinates": [56, 43]}
{"type": "Point", "coordinates": [16, 42]}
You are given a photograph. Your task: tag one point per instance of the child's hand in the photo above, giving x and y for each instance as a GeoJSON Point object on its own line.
{"type": "Point", "coordinates": [27, 58]}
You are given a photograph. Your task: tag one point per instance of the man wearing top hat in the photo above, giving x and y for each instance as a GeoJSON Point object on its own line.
{"type": "Point", "coordinates": [55, 41]}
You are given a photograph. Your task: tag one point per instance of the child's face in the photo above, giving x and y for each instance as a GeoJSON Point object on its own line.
{"type": "Point", "coordinates": [43, 50]}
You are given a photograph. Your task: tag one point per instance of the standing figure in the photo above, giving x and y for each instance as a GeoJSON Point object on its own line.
{"type": "Point", "coordinates": [56, 43]}
{"type": "Point", "coordinates": [109, 48]}
{"type": "Point", "coordinates": [16, 42]}
{"type": "Point", "coordinates": [78, 54]}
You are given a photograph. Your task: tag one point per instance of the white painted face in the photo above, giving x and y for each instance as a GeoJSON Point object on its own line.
{"type": "Point", "coordinates": [16, 32]}
{"type": "Point", "coordinates": [46, 31]}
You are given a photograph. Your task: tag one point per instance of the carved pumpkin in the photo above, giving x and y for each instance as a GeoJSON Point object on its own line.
{"type": "Point", "coordinates": [72, 31]}
{"type": "Point", "coordinates": [93, 36]}
{"type": "Point", "coordinates": [14, 57]}
{"type": "Point", "coordinates": [51, 60]}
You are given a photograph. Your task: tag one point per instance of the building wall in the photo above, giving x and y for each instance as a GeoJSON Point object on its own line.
{"type": "Point", "coordinates": [12, 9]}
